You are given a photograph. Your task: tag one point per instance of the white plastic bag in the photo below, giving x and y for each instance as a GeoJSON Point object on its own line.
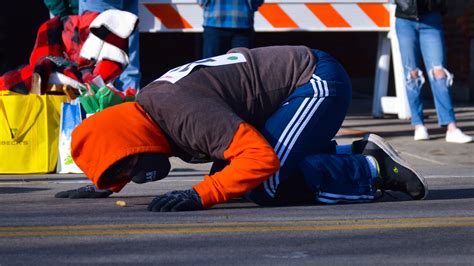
{"type": "Point", "coordinates": [70, 118]}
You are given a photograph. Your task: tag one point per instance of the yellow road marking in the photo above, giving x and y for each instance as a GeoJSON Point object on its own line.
{"type": "Point", "coordinates": [341, 221]}
{"type": "Point", "coordinates": [235, 227]}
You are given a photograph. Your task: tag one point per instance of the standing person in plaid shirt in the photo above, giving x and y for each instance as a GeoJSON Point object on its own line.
{"type": "Point", "coordinates": [131, 76]}
{"type": "Point", "coordinates": [227, 24]}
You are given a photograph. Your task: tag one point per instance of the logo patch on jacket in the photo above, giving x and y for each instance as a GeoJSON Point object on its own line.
{"type": "Point", "coordinates": [180, 72]}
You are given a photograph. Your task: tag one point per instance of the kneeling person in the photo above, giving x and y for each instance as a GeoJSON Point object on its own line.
{"type": "Point", "coordinates": [266, 116]}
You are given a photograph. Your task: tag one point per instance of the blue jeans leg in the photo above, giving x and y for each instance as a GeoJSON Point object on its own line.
{"type": "Point", "coordinates": [424, 39]}
{"type": "Point", "coordinates": [443, 103]}
{"type": "Point", "coordinates": [99, 6]}
{"type": "Point", "coordinates": [409, 43]}
{"type": "Point", "coordinates": [214, 42]}
{"type": "Point", "coordinates": [217, 41]}
{"type": "Point", "coordinates": [434, 56]}
{"type": "Point", "coordinates": [242, 38]}
{"type": "Point", "coordinates": [131, 76]}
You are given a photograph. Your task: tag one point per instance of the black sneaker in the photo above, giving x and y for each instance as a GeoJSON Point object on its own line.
{"type": "Point", "coordinates": [395, 173]}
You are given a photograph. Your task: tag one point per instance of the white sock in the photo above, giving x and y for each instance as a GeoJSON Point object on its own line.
{"type": "Point", "coordinates": [373, 165]}
{"type": "Point", "coordinates": [344, 149]}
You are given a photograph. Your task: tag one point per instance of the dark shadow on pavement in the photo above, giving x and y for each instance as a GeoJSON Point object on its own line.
{"type": "Point", "coordinates": [446, 194]}
{"type": "Point", "coordinates": [438, 194]}
{"type": "Point", "coordinates": [16, 190]}
{"type": "Point", "coordinates": [389, 196]}
{"type": "Point", "coordinates": [242, 203]}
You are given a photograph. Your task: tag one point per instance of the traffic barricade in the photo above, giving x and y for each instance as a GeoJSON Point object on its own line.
{"type": "Point", "coordinates": [305, 15]}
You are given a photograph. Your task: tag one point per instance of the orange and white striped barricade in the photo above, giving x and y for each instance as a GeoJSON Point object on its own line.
{"type": "Point", "coordinates": [303, 15]}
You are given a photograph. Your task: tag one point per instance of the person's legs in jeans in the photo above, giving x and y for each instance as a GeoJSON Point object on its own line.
{"type": "Point", "coordinates": [98, 6]}
{"type": "Point", "coordinates": [427, 35]}
{"type": "Point", "coordinates": [242, 38]}
{"type": "Point", "coordinates": [408, 38]}
{"type": "Point", "coordinates": [131, 76]}
{"type": "Point", "coordinates": [215, 41]}
{"type": "Point", "coordinates": [434, 56]}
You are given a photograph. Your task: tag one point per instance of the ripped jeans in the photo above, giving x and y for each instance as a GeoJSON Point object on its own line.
{"type": "Point", "coordinates": [424, 39]}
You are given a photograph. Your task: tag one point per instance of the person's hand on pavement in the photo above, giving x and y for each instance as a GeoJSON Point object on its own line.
{"type": "Point", "coordinates": [181, 200]}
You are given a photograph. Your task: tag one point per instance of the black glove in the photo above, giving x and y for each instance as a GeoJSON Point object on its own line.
{"type": "Point", "coordinates": [89, 191]}
{"type": "Point", "coordinates": [181, 200]}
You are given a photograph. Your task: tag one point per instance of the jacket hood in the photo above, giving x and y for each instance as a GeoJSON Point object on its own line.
{"type": "Point", "coordinates": [113, 134]}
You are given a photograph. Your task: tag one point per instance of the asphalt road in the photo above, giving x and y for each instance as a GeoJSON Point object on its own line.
{"type": "Point", "coordinates": [36, 228]}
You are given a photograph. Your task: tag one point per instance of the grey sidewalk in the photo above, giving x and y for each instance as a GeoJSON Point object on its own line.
{"type": "Point", "coordinates": [434, 158]}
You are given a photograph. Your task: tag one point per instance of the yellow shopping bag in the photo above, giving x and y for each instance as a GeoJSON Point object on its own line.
{"type": "Point", "coordinates": [29, 133]}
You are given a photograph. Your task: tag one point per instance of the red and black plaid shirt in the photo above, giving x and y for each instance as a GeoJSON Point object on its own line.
{"type": "Point", "coordinates": [57, 49]}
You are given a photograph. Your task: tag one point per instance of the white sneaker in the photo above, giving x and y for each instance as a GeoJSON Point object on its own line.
{"type": "Point", "coordinates": [457, 136]}
{"type": "Point", "coordinates": [421, 133]}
